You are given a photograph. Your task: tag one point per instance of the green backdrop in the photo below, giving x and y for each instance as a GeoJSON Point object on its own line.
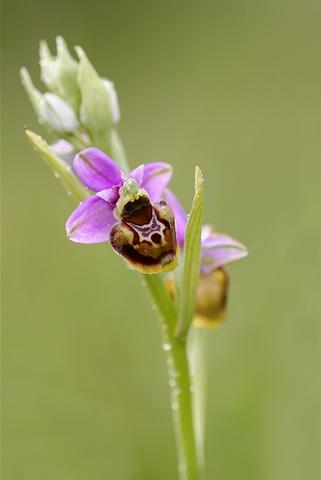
{"type": "Point", "coordinates": [233, 86]}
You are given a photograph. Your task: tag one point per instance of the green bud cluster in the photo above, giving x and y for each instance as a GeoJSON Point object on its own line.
{"type": "Point", "coordinates": [79, 105]}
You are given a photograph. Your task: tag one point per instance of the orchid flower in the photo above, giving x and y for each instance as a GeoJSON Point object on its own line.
{"type": "Point", "coordinates": [127, 210]}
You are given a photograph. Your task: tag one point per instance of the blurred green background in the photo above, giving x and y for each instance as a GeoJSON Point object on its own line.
{"type": "Point", "coordinates": [233, 86]}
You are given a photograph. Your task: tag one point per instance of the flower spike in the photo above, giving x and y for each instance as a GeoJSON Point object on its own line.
{"type": "Point", "coordinates": [142, 220]}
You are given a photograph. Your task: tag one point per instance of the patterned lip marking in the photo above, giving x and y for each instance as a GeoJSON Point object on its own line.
{"type": "Point", "coordinates": [146, 232]}
{"type": "Point", "coordinates": [146, 236]}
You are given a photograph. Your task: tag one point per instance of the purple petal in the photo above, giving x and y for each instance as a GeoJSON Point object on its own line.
{"type": "Point", "coordinates": [137, 174]}
{"type": "Point", "coordinates": [179, 214]}
{"type": "Point", "coordinates": [91, 222]}
{"type": "Point", "coordinates": [156, 177]}
{"type": "Point", "coordinates": [219, 249]}
{"type": "Point", "coordinates": [96, 170]}
{"type": "Point", "coordinates": [110, 195]}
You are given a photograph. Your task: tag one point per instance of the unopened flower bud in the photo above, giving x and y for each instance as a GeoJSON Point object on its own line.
{"type": "Point", "coordinates": [58, 114]}
{"type": "Point", "coordinates": [96, 107]}
{"type": "Point", "coordinates": [113, 99]}
{"type": "Point", "coordinates": [59, 73]}
{"type": "Point", "coordinates": [211, 299]}
{"type": "Point", "coordinates": [52, 111]}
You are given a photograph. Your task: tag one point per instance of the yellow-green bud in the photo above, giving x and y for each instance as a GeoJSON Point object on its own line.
{"type": "Point", "coordinates": [113, 99]}
{"type": "Point", "coordinates": [95, 109]}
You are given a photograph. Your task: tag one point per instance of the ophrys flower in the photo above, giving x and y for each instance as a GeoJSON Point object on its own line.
{"type": "Point", "coordinates": [127, 210]}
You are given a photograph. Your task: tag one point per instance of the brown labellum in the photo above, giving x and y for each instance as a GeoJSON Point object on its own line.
{"type": "Point", "coordinates": [146, 236]}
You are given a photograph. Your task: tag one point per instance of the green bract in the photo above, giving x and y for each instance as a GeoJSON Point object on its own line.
{"type": "Point", "coordinates": [188, 273]}
{"type": "Point", "coordinates": [60, 168]}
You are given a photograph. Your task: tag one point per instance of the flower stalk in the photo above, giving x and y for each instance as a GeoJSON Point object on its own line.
{"type": "Point", "coordinates": [179, 379]}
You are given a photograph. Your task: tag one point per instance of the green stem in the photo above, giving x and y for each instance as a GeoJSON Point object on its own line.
{"type": "Point", "coordinates": [181, 402]}
{"type": "Point", "coordinates": [197, 355]}
{"type": "Point", "coordinates": [179, 379]}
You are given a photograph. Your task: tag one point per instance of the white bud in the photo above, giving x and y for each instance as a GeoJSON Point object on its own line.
{"type": "Point", "coordinates": [58, 114]}
{"type": "Point", "coordinates": [51, 110]}
{"type": "Point", "coordinates": [113, 99]}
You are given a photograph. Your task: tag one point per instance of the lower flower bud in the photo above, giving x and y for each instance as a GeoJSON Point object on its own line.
{"type": "Point", "coordinates": [211, 298]}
